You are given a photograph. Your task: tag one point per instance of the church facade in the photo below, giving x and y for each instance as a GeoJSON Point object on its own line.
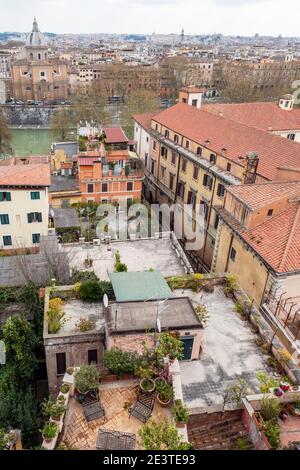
{"type": "Point", "coordinates": [34, 75]}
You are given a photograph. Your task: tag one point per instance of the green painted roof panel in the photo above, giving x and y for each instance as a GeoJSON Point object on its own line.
{"type": "Point", "coordinates": [143, 285]}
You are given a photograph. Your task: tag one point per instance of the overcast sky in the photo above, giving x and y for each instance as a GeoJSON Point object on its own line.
{"type": "Point", "coordinates": [244, 17]}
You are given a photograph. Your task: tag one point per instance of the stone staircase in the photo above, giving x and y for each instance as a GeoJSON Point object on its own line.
{"type": "Point", "coordinates": [216, 431]}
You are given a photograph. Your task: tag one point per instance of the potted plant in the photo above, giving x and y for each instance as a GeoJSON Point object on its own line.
{"type": "Point", "coordinates": [87, 379]}
{"type": "Point", "coordinates": [57, 410]}
{"type": "Point", "coordinates": [64, 388]}
{"type": "Point", "coordinates": [278, 392]}
{"type": "Point", "coordinates": [180, 414]}
{"type": "Point", "coordinates": [285, 386]}
{"type": "Point", "coordinates": [164, 392]}
{"type": "Point", "coordinates": [147, 384]}
{"type": "Point", "coordinates": [70, 370]}
{"type": "Point", "coordinates": [49, 431]}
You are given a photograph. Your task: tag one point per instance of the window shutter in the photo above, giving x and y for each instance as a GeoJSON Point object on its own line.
{"type": "Point", "coordinates": [39, 216]}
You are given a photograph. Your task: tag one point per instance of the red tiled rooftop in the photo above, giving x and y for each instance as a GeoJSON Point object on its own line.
{"type": "Point", "coordinates": [88, 160]}
{"type": "Point", "coordinates": [115, 135]}
{"type": "Point", "coordinates": [276, 240]}
{"type": "Point", "coordinates": [260, 115]}
{"type": "Point", "coordinates": [262, 194]}
{"type": "Point", "coordinates": [31, 160]}
{"type": "Point", "coordinates": [199, 126]}
{"type": "Point", "coordinates": [25, 175]}
{"type": "Point", "coordinates": [144, 119]}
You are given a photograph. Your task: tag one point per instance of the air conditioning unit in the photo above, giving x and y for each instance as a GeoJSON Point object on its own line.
{"type": "Point", "coordinates": [81, 239]}
{"type": "Point", "coordinates": [96, 241]}
{"type": "Point", "coordinates": [51, 231]}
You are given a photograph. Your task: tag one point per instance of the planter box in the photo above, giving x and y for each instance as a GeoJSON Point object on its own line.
{"type": "Point", "coordinates": [113, 378]}
{"type": "Point", "coordinates": [258, 420]}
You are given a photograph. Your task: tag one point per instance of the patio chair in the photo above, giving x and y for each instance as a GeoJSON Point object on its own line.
{"type": "Point", "coordinates": [143, 407]}
{"type": "Point", "coordinates": [114, 440]}
{"type": "Point", "coordinates": [92, 406]}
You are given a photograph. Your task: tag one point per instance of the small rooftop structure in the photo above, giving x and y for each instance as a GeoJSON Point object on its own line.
{"type": "Point", "coordinates": [174, 313]}
{"type": "Point", "coordinates": [135, 286]}
{"type": "Point", "coordinates": [65, 217]}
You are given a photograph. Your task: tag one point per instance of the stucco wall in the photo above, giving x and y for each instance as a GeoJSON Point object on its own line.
{"type": "Point", "coordinates": [250, 272]}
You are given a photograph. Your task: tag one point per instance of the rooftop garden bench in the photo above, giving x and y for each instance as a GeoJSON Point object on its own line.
{"type": "Point", "coordinates": [114, 440]}
{"type": "Point", "coordinates": [143, 407]}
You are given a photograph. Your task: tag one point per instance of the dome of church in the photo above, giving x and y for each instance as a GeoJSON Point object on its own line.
{"type": "Point", "coordinates": [35, 38]}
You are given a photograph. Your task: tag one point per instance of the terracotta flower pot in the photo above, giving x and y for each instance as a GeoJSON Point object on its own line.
{"type": "Point", "coordinates": [150, 390]}
{"type": "Point", "coordinates": [161, 402]}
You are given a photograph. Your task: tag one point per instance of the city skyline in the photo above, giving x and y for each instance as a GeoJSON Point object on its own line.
{"type": "Point", "coordinates": [264, 17]}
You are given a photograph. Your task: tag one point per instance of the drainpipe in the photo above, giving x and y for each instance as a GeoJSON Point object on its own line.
{"type": "Point", "coordinates": [208, 219]}
{"type": "Point", "coordinates": [228, 254]}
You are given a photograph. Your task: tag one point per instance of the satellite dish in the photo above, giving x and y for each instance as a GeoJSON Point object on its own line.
{"type": "Point", "coordinates": [158, 325]}
{"type": "Point", "coordinates": [105, 300]}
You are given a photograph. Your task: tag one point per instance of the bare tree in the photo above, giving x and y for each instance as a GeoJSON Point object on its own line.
{"type": "Point", "coordinates": [5, 136]}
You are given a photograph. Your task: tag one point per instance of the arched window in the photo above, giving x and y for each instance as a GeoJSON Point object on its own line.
{"type": "Point", "coordinates": [39, 56]}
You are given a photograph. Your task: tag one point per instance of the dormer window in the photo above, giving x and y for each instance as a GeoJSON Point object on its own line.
{"type": "Point", "coordinates": [212, 158]}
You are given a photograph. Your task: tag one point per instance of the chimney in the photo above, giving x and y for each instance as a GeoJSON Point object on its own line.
{"type": "Point", "coordinates": [191, 95]}
{"type": "Point", "coordinates": [286, 102]}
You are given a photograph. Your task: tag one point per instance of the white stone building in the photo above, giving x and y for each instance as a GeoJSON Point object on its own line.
{"type": "Point", "coordinates": [24, 206]}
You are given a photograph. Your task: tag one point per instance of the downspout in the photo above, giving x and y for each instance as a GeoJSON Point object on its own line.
{"type": "Point", "coordinates": [228, 254]}
{"type": "Point", "coordinates": [208, 220]}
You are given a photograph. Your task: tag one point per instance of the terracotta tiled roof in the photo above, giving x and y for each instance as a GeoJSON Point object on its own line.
{"type": "Point", "coordinates": [25, 175]}
{"type": "Point", "coordinates": [115, 135]}
{"type": "Point", "coordinates": [260, 115]}
{"type": "Point", "coordinates": [32, 159]}
{"type": "Point", "coordinates": [263, 194]}
{"type": "Point", "coordinates": [276, 240]}
{"type": "Point", "coordinates": [238, 139]}
{"type": "Point", "coordinates": [144, 119]}
{"type": "Point", "coordinates": [88, 160]}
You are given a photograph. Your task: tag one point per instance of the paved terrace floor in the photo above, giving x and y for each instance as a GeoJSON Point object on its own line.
{"type": "Point", "coordinates": [81, 435]}
{"type": "Point", "coordinates": [228, 352]}
{"type": "Point", "coordinates": [140, 255]}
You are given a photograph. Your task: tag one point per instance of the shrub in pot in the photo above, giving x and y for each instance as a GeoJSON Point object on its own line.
{"type": "Point", "coordinates": [164, 391]}
{"type": "Point", "coordinates": [65, 388]}
{"type": "Point", "coordinates": [169, 345]}
{"type": "Point", "coordinates": [180, 413]}
{"type": "Point", "coordinates": [270, 408]}
{"type": "Point", "coordinates": [87, 379]}
{"type": "Point", "coordinates": [57, 410]}
{"type": "Point", "coordinates": [272, 432]}
{"type": "Point", "coordinates": [49, 431]}
{"type": "Point", "coordinates": [147, 384]}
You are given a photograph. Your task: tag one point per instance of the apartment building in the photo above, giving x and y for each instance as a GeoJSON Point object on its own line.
{"type": "Point", "coordinates": [24, 205]}
{"type": "Point", "coordinates": [259, 75]}
{"type": "Point", "coordinates": [258, 241]}
{"type": "Point", "coordinates": [193, 154]}
{"type": "Point", "coordinates": [111, 178]}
